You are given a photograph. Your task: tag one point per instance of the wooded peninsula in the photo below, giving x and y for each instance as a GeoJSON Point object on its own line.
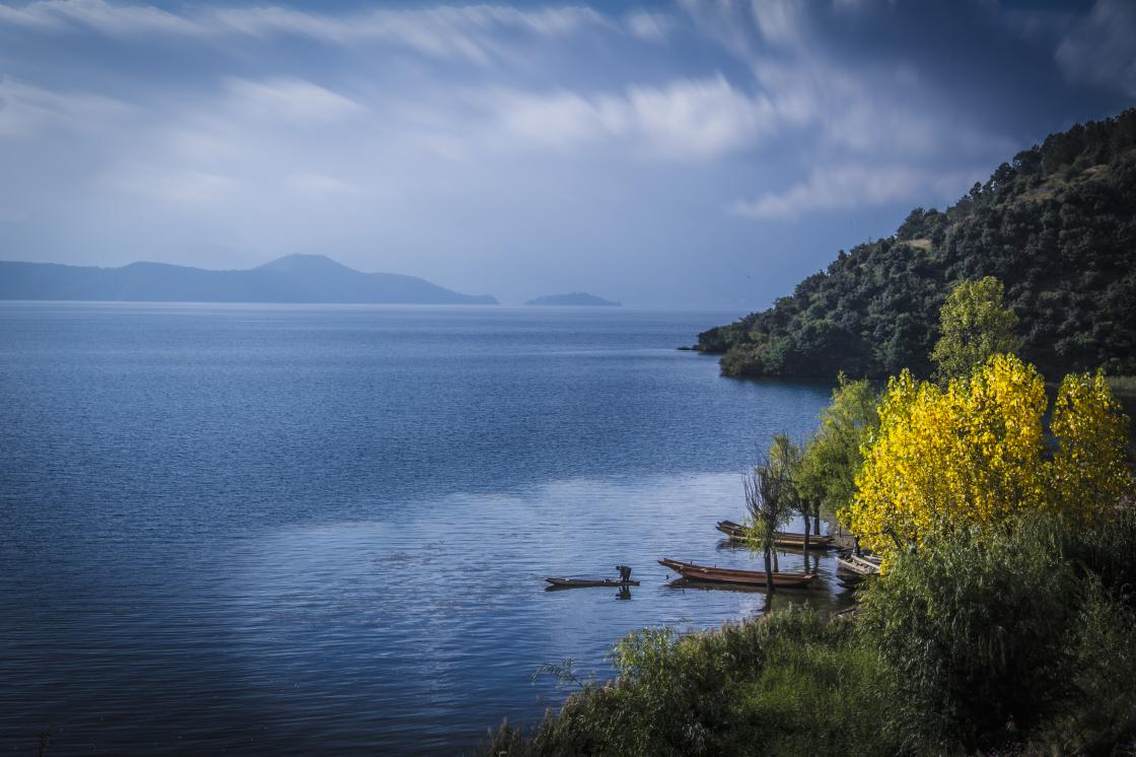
{"type": "Point", "coordinates": [1057, 225]}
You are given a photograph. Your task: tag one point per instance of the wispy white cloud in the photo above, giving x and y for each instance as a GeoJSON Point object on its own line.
{"type": "Point", "coordinates": [445, 31]}
{"type": "Point", "coordinates": [97, 15]}
{"type": "Point", "coordinates": [779, 21]}
{"type": "Point", "coordinates": [181, 188]}
{"type": "Point", "coordinates": [466, 32]}
{"type": "Point", "coordinates": [836, 188]}
{"type": "Point", "coordinates": [293, 100]}
{"type": "Point", "coordinates": [25, 109]}
{"type": "Point", "coordinates": [650, 26]}
{"type": "Point", "coordinates": [688, 119]}
{"type": "Point", "coordinates": [319, 185]}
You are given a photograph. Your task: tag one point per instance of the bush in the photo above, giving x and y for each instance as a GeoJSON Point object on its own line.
{"type": "Point", "coordinates": [1108, 552]}
{"type": "Point", "coordinates": [1105, 672]}
{"type": "Point", "coordinates": [820, 691]}
{"type": "Point", "coordinates": [976, 630]}
{"type": "Point", "coordinates": [788, 683]}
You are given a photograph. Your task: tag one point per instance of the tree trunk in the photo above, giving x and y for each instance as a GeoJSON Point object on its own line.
{"type": "Point", "coordinates": [806, 541]}
{"type": "Point", "coordinates": [768, 569]}
{"type": "Point", "coordinates": [816, 521]}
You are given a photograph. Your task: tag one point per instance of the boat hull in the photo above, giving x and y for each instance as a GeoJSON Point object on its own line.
{"type": "Point", "coordinates": [757, 578]}
{"type": "Point", "coordinates": [583, 583]}
{"type": "Point", "coordinates": [858, 566]}
{"type": "Point", "coordinates": [780, 538]}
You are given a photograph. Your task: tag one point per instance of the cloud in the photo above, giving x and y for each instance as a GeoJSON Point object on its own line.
{"type": "Point", "coordinates": [196, 189]}
{"type": "Point", "coordinates": [779, 21]}
{"type": "Point", "coordinates": [835, 188]}
{"type": "Point", "coordinates": [1101, 48]}
{"type": "Point", "coordinates": [864, 131]}
{"type": "Point", "coordinates": [25, 109]}
{"type": "Point", "coordinates": [649, 26]}
{"type": "Point", "coordinates": [453, 140]}
{"type": "Point", "coordinates": [293, 100]}
{"type": "Point", "coordinates": [458, 31]}
{"type": "Point", "coordinates": [97, 15]}
{"type": "Point", "coordinates": [465, 32]}
{"type": "Point", "coordinates": [688, 119]}
{"type": "Point", "coordinates": [319, 185]}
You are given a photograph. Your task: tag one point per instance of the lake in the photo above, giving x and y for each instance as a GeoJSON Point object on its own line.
{"type": "Point", "coordinates": [291, 529]}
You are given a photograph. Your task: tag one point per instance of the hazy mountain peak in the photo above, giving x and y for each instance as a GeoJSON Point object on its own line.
{"type": "Point", "coordinates": [305, 263]}
{"type": "Point", "coordinates": [572, 298]}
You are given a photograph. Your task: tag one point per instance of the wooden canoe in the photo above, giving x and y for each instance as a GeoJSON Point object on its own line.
{"type": "Point", "coordinates": [579, 583]}
{"type": "Point", "coordinates": [859, 566]}
{"type": "Point", "coordinates": [780, 538]}
{"type": "Point", "coordinates": [693, 572]}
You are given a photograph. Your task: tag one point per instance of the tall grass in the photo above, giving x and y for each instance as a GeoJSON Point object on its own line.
{"type": "Point", "coordinates": [790, 683]}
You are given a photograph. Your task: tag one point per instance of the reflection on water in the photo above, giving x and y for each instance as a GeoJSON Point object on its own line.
{"type": "Point", "coordinates": [413, 611]}
{"type": "Point", "coordinates": [296, 530]}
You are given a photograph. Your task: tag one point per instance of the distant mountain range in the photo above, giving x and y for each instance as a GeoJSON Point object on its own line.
{"type": "Point", "coordinates": [573, 298]}
{"type": "Point", "coordinates": [290, 279]}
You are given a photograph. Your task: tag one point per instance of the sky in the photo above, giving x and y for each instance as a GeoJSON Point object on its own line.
{"type": "Point", "coordinates": [679, 154]}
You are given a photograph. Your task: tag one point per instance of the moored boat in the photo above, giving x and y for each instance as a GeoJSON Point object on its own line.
{"type": "Point", "coordinates": [780, 538]}
{"type": "Point", "coordinates": [693, 572]}
{"type": "Point", "coordinates": [859, 566]}
{"type": "Point", "coordinates": [577, 583]}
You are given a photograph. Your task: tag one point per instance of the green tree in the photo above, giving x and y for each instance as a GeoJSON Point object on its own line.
{"type": "Point", "coordinates": [771, 497]}
{"type": "Point", "coordinates": [973, 325]}
{"type": "Point", "coordinates": [826, 478]}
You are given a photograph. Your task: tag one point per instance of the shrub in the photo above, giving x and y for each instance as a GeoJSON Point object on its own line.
{"type": "Point", "coordinates": [782, 684]}
{"type": "Point", "coordinates": [976, 630]}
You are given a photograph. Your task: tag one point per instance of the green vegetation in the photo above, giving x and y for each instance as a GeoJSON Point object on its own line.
{"type": "Point", "coordinates": [951, 653]}
{"type": "Point", "coordinates": [827, 474]}
{"type": "Point", "coordinates": [1004, 620]}
{"type": "Point", "coordinates": [973, 325]}
{"type": "Point", "coordinates": [750, 688]}
{"type": "Point", "coordinates": [771, 498]}
{"type": "Point", "coordinates": [975, 453]}
{"type": "Point", "coordinates": [1055, 225]}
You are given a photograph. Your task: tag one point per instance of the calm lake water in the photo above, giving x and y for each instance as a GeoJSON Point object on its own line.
{"type": "Point", "coordinates": [325, 529]}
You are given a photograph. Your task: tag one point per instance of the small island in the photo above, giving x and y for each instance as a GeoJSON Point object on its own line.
{"type": "Point", "coordinates": [573, 298]}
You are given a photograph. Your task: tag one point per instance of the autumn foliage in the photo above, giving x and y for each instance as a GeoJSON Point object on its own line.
{"type": "Point", "coordinates": [975, 452]}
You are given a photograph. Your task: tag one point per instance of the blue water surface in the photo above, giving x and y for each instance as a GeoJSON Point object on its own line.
{"type": "Point", "coordinates": [286, 529]}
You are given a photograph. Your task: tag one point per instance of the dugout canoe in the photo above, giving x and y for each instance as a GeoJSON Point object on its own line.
{"type": "Point", "coordinates": [859, 566]}
{"type": "Point", "coordinates": [580, 583]}
{"type": "Point", "coordinates": [780, 538]}
{"type": "Point", "coordinates": [693, 572]}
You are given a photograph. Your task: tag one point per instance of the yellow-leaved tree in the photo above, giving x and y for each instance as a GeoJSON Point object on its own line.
{"type": "Point", "coordinates": [1088, 472]}
{"type": "Point", "coordinates": [973, 453]}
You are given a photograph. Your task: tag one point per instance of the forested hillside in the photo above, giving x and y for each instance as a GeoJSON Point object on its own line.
{"type": "Point", "coordinates": [1057, 225]}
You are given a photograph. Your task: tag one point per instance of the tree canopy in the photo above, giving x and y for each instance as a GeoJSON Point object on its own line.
{"type": "Point", "coordinates": [973, 325]}
{"type": "Point", "coordinates": [826, 475]}
{"type": "Point", "coordinates": [772, 496]}
{"type": "Point", "coordinates": [973, 454]}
